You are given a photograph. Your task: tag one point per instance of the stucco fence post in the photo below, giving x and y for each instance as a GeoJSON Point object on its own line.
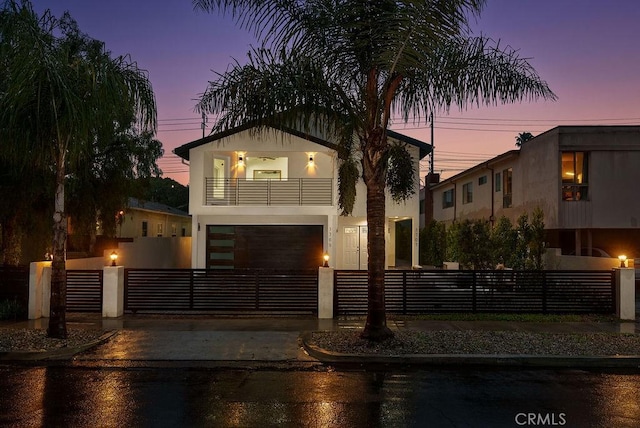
{"type": "Point", "coordinates": [39, 290]}
{"type": "Point", "coordinates": [626, 293]}
{"type": "Point", "coordinates": [325, 292]}
{"type": "Point", "coordinates": [113, 291]}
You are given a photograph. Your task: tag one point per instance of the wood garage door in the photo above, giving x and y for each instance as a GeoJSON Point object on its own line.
{"type": "Point", "coordinates": [264, 247]}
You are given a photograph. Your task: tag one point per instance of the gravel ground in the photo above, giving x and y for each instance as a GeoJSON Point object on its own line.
{"type": "Point", "coordinates": [30, 340]}
{"type": "Point", "coordinates": [482, 342]}
{"type": "Point", "coordinates": [404, 342]}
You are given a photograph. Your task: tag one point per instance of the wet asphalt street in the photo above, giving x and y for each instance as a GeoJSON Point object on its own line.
{"type": "Point", "coordinates": [84, 396]}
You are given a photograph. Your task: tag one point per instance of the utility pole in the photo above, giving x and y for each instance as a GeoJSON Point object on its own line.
{"type": "Point", "coordinates": [204, 122]}
{"type": "Point", "coordinates": [432, 145]}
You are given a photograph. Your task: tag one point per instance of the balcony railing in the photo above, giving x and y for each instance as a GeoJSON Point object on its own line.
{"type": "Point", "coordinates": [293, 191]}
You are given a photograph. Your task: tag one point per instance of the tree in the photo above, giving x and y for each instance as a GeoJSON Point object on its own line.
{"type": "Point", "coordinates": [345, 67]}
{"type": "Point", "coordinates": [59, 89]}
{"type": "Point", "coordinates": [433, 244]}
{"type": "Point", "coordinates": [523, 137]}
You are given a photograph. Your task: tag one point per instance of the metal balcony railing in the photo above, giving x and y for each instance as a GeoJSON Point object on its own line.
{"type": "Point", "coordinates": [293, 191]}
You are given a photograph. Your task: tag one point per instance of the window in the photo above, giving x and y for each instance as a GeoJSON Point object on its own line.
{"type": "Point", "coordinates": [145, 228]}
{"type": "Point", "coordinates": [482, 180]}
{"type": "Point", "coordinates": [467, 193]}
{"type": "Point", "coordinates": [159, 229]}
{"type": "Point", "coordinates": [447, 199]}
{"type": "Point", "coordinates": [574, 176]}
{"type": "Point", "coordinates": [174, 229]}
{"type": "Point", "coordinates": [498, 182]}
{"type": "Point", "coordinates": [507, 182]}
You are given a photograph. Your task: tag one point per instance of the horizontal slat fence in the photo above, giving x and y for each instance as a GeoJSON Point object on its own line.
{"type": "Point", "coordinates": [14, 284]}
{"type": "Point", "coordinates": [413, 292]}
{"type": "Point", "coordinates": [232, 290]}
{"type": "Point", "coordinates": [84, 290]}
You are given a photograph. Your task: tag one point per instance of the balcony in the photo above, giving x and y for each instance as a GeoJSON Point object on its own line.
{"type": "Point", "coordinates": [293, 191]}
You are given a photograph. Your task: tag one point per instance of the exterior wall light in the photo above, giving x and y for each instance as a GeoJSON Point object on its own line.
{"type": "Point", "coordinates": [240, 159]}
{"type": "Point", "coordinates": [311, 159]}
{"type": "Point", "coordinates": [114, 258]}
{"type": "Point", "coordinates": [326, 260]}
{"type": "Point", "coordinates": [623, 260]}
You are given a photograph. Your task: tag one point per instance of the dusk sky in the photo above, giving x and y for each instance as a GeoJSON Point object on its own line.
{"type": "Point", "coordinates": [588, 51]}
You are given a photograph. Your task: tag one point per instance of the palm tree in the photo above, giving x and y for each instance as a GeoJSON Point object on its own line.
{"type": "Point", "coordinates": [58, 88]}
{"type": "Point", "coordinates": [347, 67]}
{"type": "Point", "coordinates": [523, 137]}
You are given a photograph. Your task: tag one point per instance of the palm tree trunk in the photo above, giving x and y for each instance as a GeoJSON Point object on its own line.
{"type": "Point", "coordinates": [57, 312]}
{"type": "Point", "coordinates": [373, 163]}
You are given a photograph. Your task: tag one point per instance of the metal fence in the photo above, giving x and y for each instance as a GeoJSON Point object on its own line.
{"type": "Point", "coordinates": [413, 292]}
{"type": "Point", "coordinates": [233, 290]}
{"type": "Point", "coordinates": [14, 284]}
{"type": "Point", "coordinates": [84, 290]}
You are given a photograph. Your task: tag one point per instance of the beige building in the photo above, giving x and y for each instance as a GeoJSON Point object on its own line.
{"type": "Point", "coordinates": [270, 200]}
{"type": "Point", "coordinates": [141, 219]}
{"type": "Point", "coordinates": [584, 178]}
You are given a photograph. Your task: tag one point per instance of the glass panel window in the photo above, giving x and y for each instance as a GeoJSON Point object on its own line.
{"type": "Point", "coordinates": [507, 184]}
{"type": "Point", "coordinates": [467, 193]}
{"type": "Point", "coordinates": [447, 199]}
{"type": "Point", "coordinates": [145, 228]}
{"type": "Point", "coordinates": [574, 176]}
{"type": "Point", "coordinates": [482, 180]}
{"type": "Point", "coordinates": [498, 182]}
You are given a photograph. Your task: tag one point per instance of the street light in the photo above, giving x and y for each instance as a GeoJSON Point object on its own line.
{"type": "Point", "coordinates": [114, 257]}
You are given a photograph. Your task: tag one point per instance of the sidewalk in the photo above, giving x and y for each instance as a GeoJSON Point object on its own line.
{"type": "Point", "coordinates": [248, 341]}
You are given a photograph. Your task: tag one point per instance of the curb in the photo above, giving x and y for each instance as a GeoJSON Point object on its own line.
{"type": "Point", "coordinates": [506, 360]}
{"type": "Point", "coordinates": [56, 354]}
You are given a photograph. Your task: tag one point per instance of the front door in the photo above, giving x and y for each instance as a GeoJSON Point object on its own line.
{"type": "Point", "coordinates": [355, 254]}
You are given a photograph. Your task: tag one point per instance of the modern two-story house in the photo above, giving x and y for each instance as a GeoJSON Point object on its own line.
{"type": "Point", "coordinates": [584, 178]}
{"type": "Point", "coordinates": [270, 200]}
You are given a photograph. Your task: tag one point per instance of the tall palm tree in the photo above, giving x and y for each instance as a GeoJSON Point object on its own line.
{"type": "Point", "coordinates": [59, 87]}
{"type": "Point", "coordinates": [347, 67]}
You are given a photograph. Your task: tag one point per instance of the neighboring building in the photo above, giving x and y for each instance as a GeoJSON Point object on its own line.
{"type": "Point", "coordinates": [269, 200]}
{"type": "Point", "coordinates": [584, 178]}
{"type": "Point", "coordinates": [142, 219]}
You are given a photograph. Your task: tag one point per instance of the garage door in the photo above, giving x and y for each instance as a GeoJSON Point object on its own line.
{"type": "Point", "coordinates": [264, 247]}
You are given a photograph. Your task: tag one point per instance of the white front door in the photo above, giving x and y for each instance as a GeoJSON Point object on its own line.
{"type": "Point", "coordinates": [355, 254]}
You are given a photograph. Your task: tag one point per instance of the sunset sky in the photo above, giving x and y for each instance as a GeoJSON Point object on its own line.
{"type": "Point", "coordinates": [587, 50]}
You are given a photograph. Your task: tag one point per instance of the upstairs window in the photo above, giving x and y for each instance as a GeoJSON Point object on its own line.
{"type": "Point", "coordinates": [467, 193]}
{"type": "Point", "coordinates": [498, 182]}
{"type": "Point", "coordinates": [447, 199]}
{"type": "Point", "coordinates": [507, 184]}
{"type": "Point", "coordinates": [575, 176]}
{"type": "Point", "coordinates": [482, 180]}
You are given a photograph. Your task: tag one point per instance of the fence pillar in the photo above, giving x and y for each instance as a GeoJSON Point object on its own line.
{"type": "Point", "coordinates": [39, 290]}
{"type": "Point", "coordinates": [325, 292]}
{"type": "Point", "coordinates": [626, 293]}
{"type": "Point", "coordinates": [113, 292]}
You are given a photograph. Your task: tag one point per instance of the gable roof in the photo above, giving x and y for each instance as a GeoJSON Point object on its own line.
{"type": "Point", "coordinates": [138, 204]}
{"type": "Point", "coordinates": [183, 151]}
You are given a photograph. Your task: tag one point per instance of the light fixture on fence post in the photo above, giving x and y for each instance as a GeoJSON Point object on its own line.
{"type": "Point", "coordinates": [326, 260]}
{"type": "Point", "coordinates": [623, 260]}
{"type": "Point", "coordinates": [114, 258]}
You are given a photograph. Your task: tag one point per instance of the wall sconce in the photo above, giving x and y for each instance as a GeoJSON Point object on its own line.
{"type": "Point", "coordinates": [623, 261]}
{"type": "Point", "coordinates": [240, 159]}
{"type": "Point", "coordinates": [114, 258]}
{"type": "Point", "coordinates": [326, 260]}
{"type": "Point", "coordinates": [311, 159]}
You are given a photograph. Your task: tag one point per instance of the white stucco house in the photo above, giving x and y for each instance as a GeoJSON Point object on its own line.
{"type": "Point", "coordinates": [270, 200]}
